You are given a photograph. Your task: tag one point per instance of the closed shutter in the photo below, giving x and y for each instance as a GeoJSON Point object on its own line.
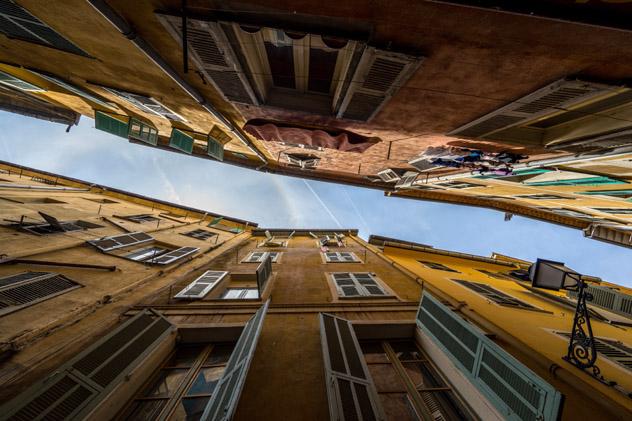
{"type": "Point", "coordinates": [613, 350]}
{"type": "Point", "coordinates": [20, 84]}
{"type": "Point", "coordinates": [517, 392]}
{"type": "Point", "coordinates": [147, 104]}
{"type": "Point", "coordinates": [123, 240]}
{"type": "Point", "coordinates": [78, 386]}
{"type": "Point", "coordinates": [25, 289]}
{"type": "Point", "coordinates": [214, 57]}
{"type": "Point", "coordinates": [264, 271]}
{"type": "Point", "coordinates": [17, 22]}
{"type": "Point", "coordinates": [111, 124]}
{"type": "Point", "coordinates": [378, 76]}
{"type": "Point", "coordinates": [350, 390]}
{"type": "Point", "coordinates": [608, 299]}
{"type": "Point", "coordinates": [202, 285]}
{"type": "Point", "coordinates": [173, 256]}
{"type": "Point", "coordinates": [550, 99]}
{"type": "Point", "coordinates": [181, 141]}
{"type": "Point", "coordinates": [226, 395]}
{"type": "Point", "coordinates": [74, 89]}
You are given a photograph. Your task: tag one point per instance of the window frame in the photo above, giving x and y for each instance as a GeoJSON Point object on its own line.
{"type": "Point", "coordinates": [339, 294]}
{"type": "Point", "coordinates": [328, 259]}
{"type": "Point", "coordinates": [242, 295]}
{"type": "Point", "coordinates": [275, 255]}
{"type": "Point", "coordinates": [504, 300]}
{"type": "Point", "coordinates": [206, 236]}
{"type": "Point", "coordinates": [437, 266]}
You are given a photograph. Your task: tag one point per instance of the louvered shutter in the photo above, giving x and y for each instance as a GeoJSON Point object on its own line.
{"type": "Point", "coordinates": [77, 387]}
{"type": "Point", "coordinates": [202, 285]}
{"type": "Point", "coordinates": [517, 392]}
{"type": "Point", "coordinates": [17, 22]}
{"type": "Point", "coordinates": [378, 76]}
{"type": "Point", "coordinates": [74, 89]}
{"type": "Point", "coordinates": [214, 57]}
{"type": "Point", "coordinates": [608, 299]}
{"type": "Point", "coordinates": [25, 289]}
{"type": "Point", "coordinates": [17, 83]}
{"type": "Point", "coordinates": [225, 398]}
{"type": "Point", "coordinates": [350, 390]}
{"type": "Point", "coordinates": [181, 141]}
{"type": "Point", "coordinates": [493, 294]}
{"type": "Point", "coordinates": [264, 271]}
{"type": "Point", "coordinates": [110, 124]}
{"type": "Point", "coordinates": [552, 98]}
{"type": "Point", "coordinates": [146, 103]}
{"type": "Point", "coordinates": [172, 256]}
{"type": "Point", "coordinates": [123, 240]}
{"type": "Point", "coordinates": [217, 138]}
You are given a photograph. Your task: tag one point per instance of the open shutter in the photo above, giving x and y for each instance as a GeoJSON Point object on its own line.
{"type": "Point", "coordinates": [79, 385]}
{"type": "Point", "coordinates": [26, 289]}
{"type": "Point", "coordinates": [74, 89]}
{"type": "Point", "coordinates": [14, 82]}
{"type": "Point", "coordinates": [350, 390]}
{"type": "Point", "coordinates": [378, 76]}
{"type": "Point", "coordinates": [226, 395]}
{"type": "Point", "coordinates": [172, 256]}
{"type": "Point", "coordinates": [123, 240]}
{"type": "Point", "coordinates": [147, 104]}
{"type": "Point", "coordinates": [202, 285]}
{"type": "Point", "coordinates": [111, 124]}
{"type": "Point", "coordinates": [181, 141]}
{"type": "Point", "coordinates": [552, 98]}
{"type": "Point", "coordinates": [608, 299]}
{"type": "Point", "coordinates": [264, 271]}
{"type": "Point", "coordinates": [213, 55]}
{"type": "Point", "coordinates": [217, 138]}
{"type": "Point", "coordinates": [516, 391]}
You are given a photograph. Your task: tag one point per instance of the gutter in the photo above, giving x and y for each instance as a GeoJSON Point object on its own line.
{"type": "Point", "coordinates": [128, 32]}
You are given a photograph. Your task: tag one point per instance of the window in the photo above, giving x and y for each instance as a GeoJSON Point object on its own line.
{"type": "Point", "coordinates": [139, 219]}
{"type": "Point", "coordinates": [34, 199]}
{"type": "Point", "coordinates": [544, 197]}
{"type": "Point", "coordinates": [358, 285]}
{"type": "Point", "coordinates": [145, 253]}
{"type": "Point", "coordinates": [118, 241]}
{"type": "Point", "coordinates": [184, 384]}
{"type": "Point", "coordinates": [202, 285]}
{"type": "Point", "coordinates": [146, 104]}
{"type": "Point", "coordinates": [160, 255]}
{"type": "Point", "coordinates": [341, 257]}
{"type": "Point", "coordinates": [458, 185]}
{"type": "Point", "coordinates": [104, 201]}
{"type": "Point", "coordinates": [144, 132]}
{"type": "Point", "coordinates": [259, 256]}
{"type": "Point", "coordinates": [53, 225]}
{"type": "Point", "coordinates": [200, 234]}
{"type": "Point", "coordinates": [495, 295]}
{"type": "Point", "coordinates": [437, 266]}
{"type": "Point", "coordinates": [623, 194]}
{"type": "Point", "coordinates": [303, 161]}
{"type": "Point", "coordinates": [407, 383]}
{"type": "Point", "coordinates": [17, 83]}
{"type": "Point", "coordinates": [613, 350]}
{"type": "Point", "coordinates": [28, 288]}
{"type": "Point", "coordinates": [616, 211]}
{"type": "Point", "coordinates": [17, 22]}
{"type": "Point", "coordinates": [74, 89]}
{"type": "Point", "coordinates": [240, 293]}
{"type": "Point", "coordinates": [497, 275]}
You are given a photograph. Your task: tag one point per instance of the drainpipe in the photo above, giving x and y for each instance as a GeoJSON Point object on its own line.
{"type": "Point", "coordinates": [128, 32]}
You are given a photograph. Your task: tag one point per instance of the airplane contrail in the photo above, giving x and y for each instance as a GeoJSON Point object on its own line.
{"type": "Point", "coordinates": [356, 210]}
{"type": "Point", "coordinates": [323, 204]}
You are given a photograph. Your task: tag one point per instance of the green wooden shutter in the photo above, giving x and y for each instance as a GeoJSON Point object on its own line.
{"type": "Point", "coordinates": [350, 389]}
{"type": "Point", "coordinates": [515, 391]}
{"type": "Point", "coordinates": [215, 149]}
{"type": "Point", "coordinates": [78, 386]}
{"type": "Point", "coordinates": [181, 141]}
{"type": "Point", "coordinates": [107, 123]}
{"type": "Point", "coordinates": [608, 299]}
{"type": "Point", "coordinates": [226, 395]}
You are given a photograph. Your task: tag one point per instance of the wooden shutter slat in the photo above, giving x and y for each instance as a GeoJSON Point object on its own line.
{"type": "Point", "coordinates": [118, 241]}
{"type": "Point", "coordinates": [350, 389]}
{"type": "Point", "coordinates": [181, 141]}
{"type": "Point", "coordinates": [511, 387]}
{"type": "Point", "coordinates": [226, 394]}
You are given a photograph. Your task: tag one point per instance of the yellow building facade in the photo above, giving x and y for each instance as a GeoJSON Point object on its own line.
{"type": "Point", "coordinates": [117, 306]}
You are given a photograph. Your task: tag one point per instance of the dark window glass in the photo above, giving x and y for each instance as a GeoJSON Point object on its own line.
{"type": "Point", "coordinates": [321, 69]}
{"type": "Point", "coordinates": [281, 61]}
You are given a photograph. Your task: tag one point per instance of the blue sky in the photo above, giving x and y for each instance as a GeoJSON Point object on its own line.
{"type": "Point", "coordinates": [277, 201]}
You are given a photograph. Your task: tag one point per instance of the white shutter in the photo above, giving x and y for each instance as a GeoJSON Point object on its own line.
{"type": "Point", "coordinates": [118, 241]}
{"type": "Point", "coordinates": [172, 256]}
{"type": "Point", "coordinates": [202, 285]}
{"type": "Point", "coordinates": [378, 76]}
{"type": "Point", "coordinates": [407, 179]}
{"type": "Point", "coordinates": [17, 83]}
{"type": "Point", "coordinates": [552, 98]}
{"type": "Point", "coordinates": [223, 402]}
{"type": "Point", "coordinates": [389, 175]}
{"type": "Point", "coordinates": [350, 389]}
{"type": "Point", "coordinates": [147, 104]}
{"type": "Point", "coordinates": [214, 57]}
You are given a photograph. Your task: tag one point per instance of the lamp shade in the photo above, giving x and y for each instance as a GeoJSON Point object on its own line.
{"type": "Point", "coordinates": [549, 274]}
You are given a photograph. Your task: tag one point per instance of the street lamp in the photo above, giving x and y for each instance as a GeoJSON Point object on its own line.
{"type": "Point", "coordinates": [553, 275]}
